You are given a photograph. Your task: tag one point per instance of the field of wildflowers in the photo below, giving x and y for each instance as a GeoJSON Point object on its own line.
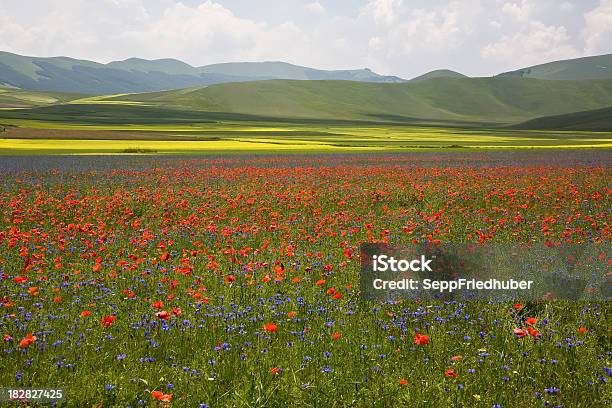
{"type": "Point", "coordinates": [233, 281]}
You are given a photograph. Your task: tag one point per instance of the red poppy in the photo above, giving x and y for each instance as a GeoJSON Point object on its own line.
{"type": "Point", "coordinates": [230, 279]}
{"type": "Point", "coordinates": [97, 267]}
{"type": "Point", "coordinates": [336, 336]}
{"type": "Point", "coordinates": [582, 330]}
{"type": "Point", "coordinates": [518, 306]}
{"type": "Point", "coordinates": [403, 381]}
{"type": "Point", "coordinates": [163, 315]}
{"type": "Point", "coordinates": [531, 321]}
{"type": "Point", "coordinates": [337, 295]}
{"type": "Point", "coordinates": [85, 313]}
{"type": "Point", "coordinates": [33, 291]}
{"type": "Point", "coordinates": [450, 373]}
{"type": "Point", "coordinates": [456, 358]}
{"type": "Point", "coordinates": [107, 321]}
{"type": "Point", "coordinates": [421, 339]}
{"type": "Point", "coordinates": [20, 279]}
{"type": "Point", "coordinates": [533, 332]}
{"type": "Point", "coordinates": [291, 314]}
{"type": "Point", "coordinates": [519, 332]}
{"type": "Point", "coordinates": [26, 341]}
{"type": "Point", "coordinates": [270, 327]}
{"type": "Point", "coordinates": [165, 256]}
{"type": "Point", "coordinates": [160, 396]}
{"type": "Point", "coordinates": [158, 305]}
{"type": "Point", "coordinates": [275, 371]}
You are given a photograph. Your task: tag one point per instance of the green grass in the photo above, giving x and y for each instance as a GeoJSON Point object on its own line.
{"type": "Point", "coordinates": [599, 120]}
{"type": "Point", "coordinates": [11, 97]}
{"type": "Point", "coordinates": [452, 99]}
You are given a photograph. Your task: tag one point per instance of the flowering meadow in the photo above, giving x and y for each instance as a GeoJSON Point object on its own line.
{"type": "Point", "coordinates": [234, 280]}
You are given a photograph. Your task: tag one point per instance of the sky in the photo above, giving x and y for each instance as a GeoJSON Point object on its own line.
{"type": "Point", "coordinates": [392, 37]}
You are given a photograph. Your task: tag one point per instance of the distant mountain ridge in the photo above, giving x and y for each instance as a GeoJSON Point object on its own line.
{"type": "Point", "coordinates": [63, 74]}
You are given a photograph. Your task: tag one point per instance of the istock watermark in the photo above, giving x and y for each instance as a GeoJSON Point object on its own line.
{"type": "Point", "coordinates": [489, 271]}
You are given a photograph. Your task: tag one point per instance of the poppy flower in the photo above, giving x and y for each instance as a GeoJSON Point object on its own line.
{"type": "Point", "coordinates": [158, 305]}
{"type": "Point", "coordinates": [403, 381]}
{"type": "Point", "coordinates": [450, 373]}
{"type": "Point", "coordinates": [336, 336]}
{"type": "Point", "coordinates": [456, 358]}
{"type": "Point", "coordinates": [26, 341]}
{"type": "Point", "coordinates": [85, 313]}
{"type": "Point", "coordinates": [163, 315]}
{"type": "Point", "coordinates": [531, 321]}
{"type": "Point", "coordinates": [518, 306]}
{"type": "Point", "coordinates": [160, 396]}
{"type": "Point", "coordinates": [20, 279]}
{"type": "Point", "coordinates": [533, 332]}
{"type": "Point", "coordinates": [275, 371]}
{"type": "Point", "coordinates": [518, 332]}
{"type": "Point", "coordinates": [107, 321]}
{"type": "Point", "coordinates": [337, 296]}
{"type": "Point", "coordinates": [291, 314]}
{"type": "Point", "coordinates": [320, 282]}
{"type": "Point", "coordinates": [33, 291]}
{"type": "Point", "coordinates": [582, 330]}
{"type": "Point", "coordinates": [165, 256]}
{"type": "Point", "coordinates": [421, 339]}
{"type": "Point", "coordinates": [97, 267]}
{"type": "Point", "coordinates": [270, 327]}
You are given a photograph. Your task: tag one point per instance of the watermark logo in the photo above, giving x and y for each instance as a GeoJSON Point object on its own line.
{"type": "Point", "coordinates": [489, 271]}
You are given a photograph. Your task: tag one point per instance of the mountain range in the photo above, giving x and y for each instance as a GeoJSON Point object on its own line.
{"type": "Point", "coordinates": [63, 74]}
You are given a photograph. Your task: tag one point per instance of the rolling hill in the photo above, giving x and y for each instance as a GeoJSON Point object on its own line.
{"type": "Point", "coordinates": [19, 98]}
{"type": "Point", "coordinates": [596, 67]}
{"type": "Point", "coordinates": [439, 73]}
{"type": "Point", "coordinates": [62, 74]}
{"type": "Point", "coordinates": [502, 100]}
{"type": "Point", "coordinates": [598, 120]}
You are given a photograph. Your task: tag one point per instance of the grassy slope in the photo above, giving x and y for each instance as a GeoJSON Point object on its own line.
{"type": "Point", "coordinates": [480, 99]}
{"type": "Point", "coordinates": [11, 97]}
{"type": "Point", "coordinates": [598, 120]}
{"type": "Point", "coordinates": [596, 67]}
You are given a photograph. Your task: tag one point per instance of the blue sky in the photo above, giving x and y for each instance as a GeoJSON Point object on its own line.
{"type": "Point", "coordinates": [394, 37]}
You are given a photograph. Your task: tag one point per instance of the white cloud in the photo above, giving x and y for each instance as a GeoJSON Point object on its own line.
{"type": "Point", "coordinates": [315, 7]}
{"type": "Point", "coordinates": [536, 43]}
{"type": "Point", "coordinates": [520, 11]}
{"type": "Point", "coordinates": [598, 28]}
{"type": "Point", "coordinates": [398, 37]}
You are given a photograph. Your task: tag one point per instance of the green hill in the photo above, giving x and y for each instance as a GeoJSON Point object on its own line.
{"type": "Point", "coordinates": [596, 67]}
{"type": "Point", "coordinates": [439, 73]}
{"type": "Point", "coordinates": [508, 100]}
{"type": "Point", "coordinates": [598, 120]}
{"type": "Point", "coordinates": [18, 98]}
